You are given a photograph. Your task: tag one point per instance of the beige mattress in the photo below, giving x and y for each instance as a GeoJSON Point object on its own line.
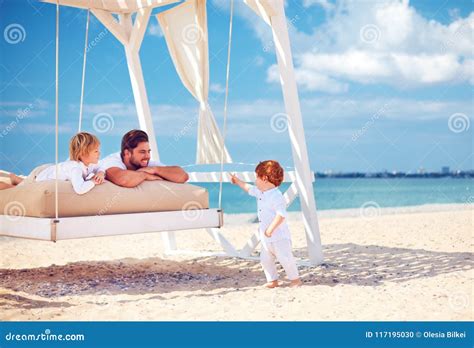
{"type": "Point", "coordinates": [37, 199]}
{"type": "Point", "coordinates": [4, 177]}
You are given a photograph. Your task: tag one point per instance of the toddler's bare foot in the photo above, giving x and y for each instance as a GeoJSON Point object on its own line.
{"type": "Point", "coordinates": [15, 179]}
{"type": "Point", "coordinates": [273, 284]}
{"type": "Point", "coordinates": [296, 283]}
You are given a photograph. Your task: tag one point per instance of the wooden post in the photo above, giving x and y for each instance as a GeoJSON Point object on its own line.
{"type": "Point", "coordinates": [295, 127]}
{"type": "Point", "coordinates": [135, 33]}
{"type": "Point", "coordinates": [131, 36]}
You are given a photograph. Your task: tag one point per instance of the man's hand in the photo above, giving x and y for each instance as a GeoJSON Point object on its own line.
{"type": "Point", "coordinates": [151, 177]}
{"type": "Point", "coordinates": [171, 173]}
{"type": "Point", "coordinates": [98, 178]}
{"type": "Point", "coordinates": [149, 170]}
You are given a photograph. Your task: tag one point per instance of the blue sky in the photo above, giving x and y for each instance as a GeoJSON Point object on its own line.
{"type": "Point", "coordinates": [384, 85]}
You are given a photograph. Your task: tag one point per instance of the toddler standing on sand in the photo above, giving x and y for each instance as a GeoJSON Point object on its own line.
{"type": "Point", "coordinates": [273, 229]}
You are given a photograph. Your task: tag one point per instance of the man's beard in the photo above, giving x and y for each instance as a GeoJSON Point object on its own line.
{"type": "Point", "coordinates": [136, 164]}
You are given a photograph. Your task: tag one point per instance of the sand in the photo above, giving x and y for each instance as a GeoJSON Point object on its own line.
{"type": "Point", "coordinates": [396, 264]}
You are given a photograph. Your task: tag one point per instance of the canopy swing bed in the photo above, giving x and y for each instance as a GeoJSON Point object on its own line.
{"type": "Point", "coordinates": [51, 211]}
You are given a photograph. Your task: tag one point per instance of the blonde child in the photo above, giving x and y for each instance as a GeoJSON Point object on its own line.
{"type": "Point", "coordinates": [273, 230]}
{"type": "Point", "coordinates": [82, 169]}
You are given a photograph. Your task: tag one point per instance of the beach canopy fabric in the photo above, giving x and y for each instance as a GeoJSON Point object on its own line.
{"type": "Point", "coordinates": [264, 9]}
{"type": "Point", "coordinates": [185, 30]}
{"type": "Point", "coordinates": [115, 6]}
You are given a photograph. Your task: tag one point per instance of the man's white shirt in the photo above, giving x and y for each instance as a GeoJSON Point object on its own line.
{"type": "Point", "coordinates": [115, 160]}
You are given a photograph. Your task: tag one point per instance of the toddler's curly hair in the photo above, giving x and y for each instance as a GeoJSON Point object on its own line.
{"type": "Point", "coordinates": [271, 170]}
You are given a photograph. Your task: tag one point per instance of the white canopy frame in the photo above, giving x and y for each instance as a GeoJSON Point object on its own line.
{"type": "Point", "coordinates": [131, 34]}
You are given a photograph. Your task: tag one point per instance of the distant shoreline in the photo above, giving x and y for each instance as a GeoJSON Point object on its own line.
{"type": "Point", "coordinates": [459, 175]}
{"type": "Point", "coordinates": [239, 218]}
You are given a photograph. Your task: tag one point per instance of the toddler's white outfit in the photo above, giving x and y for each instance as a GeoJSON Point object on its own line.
{"type": "Point", "coordinates": [271, 203]}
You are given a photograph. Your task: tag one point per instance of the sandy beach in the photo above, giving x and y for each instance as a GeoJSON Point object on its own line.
{"type": "Point", "coordinates": [398, 264]}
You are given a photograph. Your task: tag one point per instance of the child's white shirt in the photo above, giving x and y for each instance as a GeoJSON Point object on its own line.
{"type": "Point", "coordinates": [74, 171]}
{"type": "Point", "coordinates": [269, 204]}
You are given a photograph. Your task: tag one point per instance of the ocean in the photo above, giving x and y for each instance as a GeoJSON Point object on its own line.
{"type": "Point", "coordinates": [331, 193]}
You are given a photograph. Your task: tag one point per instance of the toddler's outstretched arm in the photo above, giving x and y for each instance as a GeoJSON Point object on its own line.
{"type": "Point", "coordinates": [236, 181]}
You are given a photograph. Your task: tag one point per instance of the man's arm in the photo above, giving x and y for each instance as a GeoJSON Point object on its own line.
{"type": "Point", "coordinates": [125, 178]}
{"type": "Point", "coordinates": [171, 173]}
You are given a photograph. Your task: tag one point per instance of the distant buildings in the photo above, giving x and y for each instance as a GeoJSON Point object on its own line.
{"type": "Point", "coordinates": [421, 173]}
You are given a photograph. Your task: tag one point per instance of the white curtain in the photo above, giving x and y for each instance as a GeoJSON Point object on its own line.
{"type": "Point", "coordinates": [185, 30]}
{"type": "Point", "coordinates": [264, 8]}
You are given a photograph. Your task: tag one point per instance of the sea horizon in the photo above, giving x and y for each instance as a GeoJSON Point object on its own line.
{"type": "Point", "coordinates": [349, 193]}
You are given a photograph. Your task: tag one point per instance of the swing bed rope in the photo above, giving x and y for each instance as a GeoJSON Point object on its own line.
{"type": "Point", "coordinates": [81, 105]}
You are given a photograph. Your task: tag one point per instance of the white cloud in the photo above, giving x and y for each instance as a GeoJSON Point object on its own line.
{"type": "Point", "coordinates": [325, 4]}
{"type": "Point", "coordinates": [336, 115]}
{"type": "Point", "coordinates": [391, 108]}
{"type": "Point", "coordinates": [311, 80]}
{"type": "Point", "coordinates": [41, 128]}
{"type": "Point", "coordinates": [114, 109]}
{"type": "Point", "coordinates": [217, 88]}
{"type": "Point", "coordinates": [154, 29]}
{"type": "Point", "coordinates": [384, 42]}
{"type": "Point", "coordinates": [328, 115]}
{"type": "Point", "coordinates": [23, 109]}
{"type": "Point", "coordinates": [259, 61]}
{"type": "Point", "coordinates": [168, 119]}
{"type": "Point", "coordinates": [454, 13]}
{"type": "Point", "coordinates": [380, 67]}
{"type": "Point", "coordinates": [324, 106]}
